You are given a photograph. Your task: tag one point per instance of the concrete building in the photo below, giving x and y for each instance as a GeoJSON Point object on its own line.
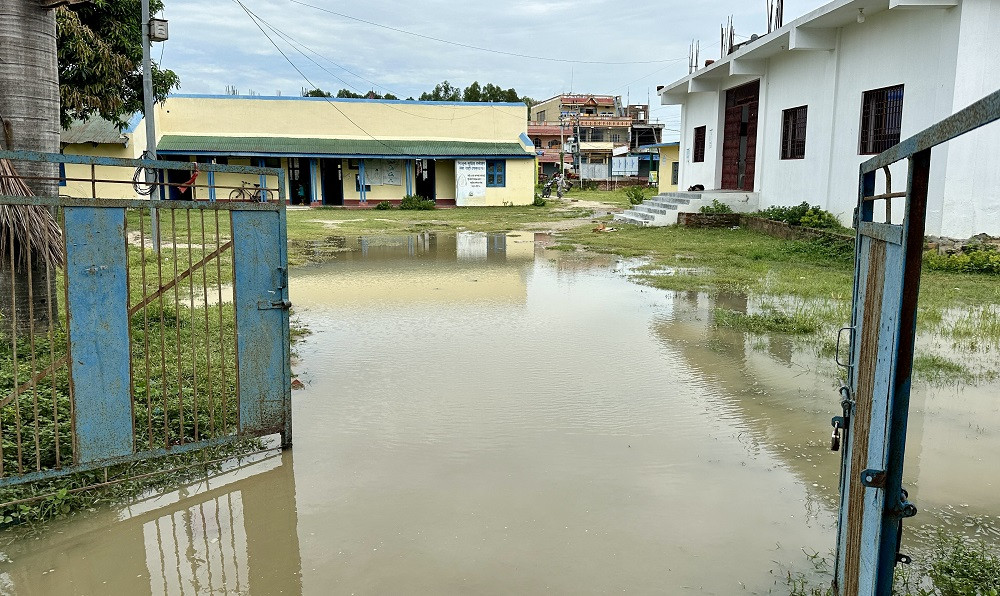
{"type": "Point", "coordinates": [604, 128]}
{"type": "Point", "coordinates": [789, 116]}
{"type": "Point", "coordinates": [345, 152]}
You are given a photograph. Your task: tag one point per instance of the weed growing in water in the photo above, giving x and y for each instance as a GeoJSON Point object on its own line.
{"type": "Point", "coordinates": [938, 369]}
{"type": "Point", "coordinates": [769, 321]}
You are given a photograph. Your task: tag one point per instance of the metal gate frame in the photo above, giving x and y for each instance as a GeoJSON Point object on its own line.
{"type": "Point", "coordinates": [98, 360]}
{"type": "Point", "coordinates": [876, 398]}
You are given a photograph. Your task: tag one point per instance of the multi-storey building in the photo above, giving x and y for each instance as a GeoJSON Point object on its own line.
{"type": "Point", "coordinates": [588, 131]}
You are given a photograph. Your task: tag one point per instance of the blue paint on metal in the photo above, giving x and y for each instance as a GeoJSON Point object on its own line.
{"type": "Point", "coordinates": [133, 122]}
{"type": "Point", "coordinates": [261, 296]}
{"type": "Point", "coordinates": [211, 186]}
{"type": "Point", "coordinates": [526, 140]}
{"type": "Point", "coordinates": [409, 178]}
{"type": "Point", "coordinates": [99, 332]}
{"type": "Point", "coordinates": [313, 186]}
{"type": "Point", "coordinates": [346, 155]}
{"type": "Point", "coordinates": [156, 164]}
{"type": "Point", "coordinates": [263, 180]}
{"type": "Point", "coordinates": [136, 203]}
{"type": "Point", "coordinates": [362, 181]}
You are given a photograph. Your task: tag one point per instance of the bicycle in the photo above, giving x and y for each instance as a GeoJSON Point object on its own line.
{"type": "Point", "coordinates": [246, 193]}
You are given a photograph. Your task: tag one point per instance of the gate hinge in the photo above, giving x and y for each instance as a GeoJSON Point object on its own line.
{"type": "Point", "coordinates": [873, 478]}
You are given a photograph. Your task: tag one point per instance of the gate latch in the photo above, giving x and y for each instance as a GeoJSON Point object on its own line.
{"type": "Point", "coordinates": [873, 478]}
{"type": "Point", "coordinates": [838, 425]}
{"type": "Point", "coordinates": [283, 304]}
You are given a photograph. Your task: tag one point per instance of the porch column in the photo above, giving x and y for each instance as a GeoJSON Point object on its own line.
{"type": "Point", "coordinates": [313, 186]}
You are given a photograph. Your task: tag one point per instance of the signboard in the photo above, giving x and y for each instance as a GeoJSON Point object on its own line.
{"type": "Point", "coordinates": [391, 175]}
{"type": "Point", "coordinates": [373, 172]}
{"type": "Point", "coordinates": [625, 166]}
{"type": "Point", "coordinates": [470, 181]}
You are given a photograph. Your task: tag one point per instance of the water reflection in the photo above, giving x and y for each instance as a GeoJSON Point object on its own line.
{"type": "Point", "coordinates": [483, 415]}
{"type": "Point", "coordinates": [235, 534]}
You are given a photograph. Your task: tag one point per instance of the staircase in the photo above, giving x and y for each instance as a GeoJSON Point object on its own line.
{"type": "Point", "coordinates": [662, 209]}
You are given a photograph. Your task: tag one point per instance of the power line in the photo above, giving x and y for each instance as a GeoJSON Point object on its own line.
{"type": "Point", "coordinates": [479, 48]}
{"type": "Point", "coordinates": [302, 74]}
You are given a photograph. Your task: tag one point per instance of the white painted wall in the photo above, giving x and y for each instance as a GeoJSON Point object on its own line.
{"type": "Point", "coordinates": [701, 109]}
{"type": "Point", "coordinates": [972, 182]}
{"type": "Point", "coordinates": [945, 58]}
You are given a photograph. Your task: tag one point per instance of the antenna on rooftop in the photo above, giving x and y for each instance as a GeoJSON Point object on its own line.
{"type": "Point", "coordinates": [775, 14]}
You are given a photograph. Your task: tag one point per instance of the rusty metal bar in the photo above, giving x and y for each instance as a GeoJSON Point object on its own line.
{"type": "Point", "coordinates": [13, 336]}
{"type": "Point", "coordinates": [170, 284]}
{"type": "Point", "coordinates": [31, 342]}
{"type": "Point", "coordinates": [141, 203]}
{"type": "Point", "coordinates": [222, 339]}
{"type": "Point", "coordinates": [131, 349]}
{"type": "Point", "coordinates": [163, 348]}
{"type": "Point", "coordinates": [208, 345]}
{"type": "Point", "coordinates": [194, 348]}
{"type": "Point", "coordinates": [236, 344]}
{"type": "Point", "coordinates": [145, 324]}
{"type": "Point", "coordinates": [177, 328]}
{"type": "Point", "coordinates": [52, 359]}
{"type": "Point", "coordinates": [888, 195]}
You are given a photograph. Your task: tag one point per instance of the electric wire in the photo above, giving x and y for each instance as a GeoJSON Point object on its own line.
{"type": "Point", "coordinates": [479, 48]}
{"type": "Point", "coordinates": [395, 150]}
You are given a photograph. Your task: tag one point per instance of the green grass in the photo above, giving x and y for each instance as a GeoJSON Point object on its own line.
{"type": "Point", "coordinates": [770, 321]}
{"type": "Point", "coordinates": [938, 369]}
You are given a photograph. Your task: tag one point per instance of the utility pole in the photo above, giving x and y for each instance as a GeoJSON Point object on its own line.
{"type": "Point", "coordinates": [562, 147]}
{"type": "Point", "coordinates": [147, 108]}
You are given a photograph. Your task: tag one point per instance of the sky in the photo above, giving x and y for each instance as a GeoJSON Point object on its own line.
{"type": "Point", "coordinates": [584, 46]}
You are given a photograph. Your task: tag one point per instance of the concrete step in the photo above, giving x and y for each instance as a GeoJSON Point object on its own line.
{"type": "Point", "coordinates": [669, 202]}
{"type": "Point", "coordinates": [653, 208]}
{"type": "Point", "coordinates": [626, 217]}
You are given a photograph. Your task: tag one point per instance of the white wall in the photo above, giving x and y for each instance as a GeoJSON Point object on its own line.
{"type": "Point", "coordinates": [701, 109]}
{"type": "Point", "coordinates": [972, 184]}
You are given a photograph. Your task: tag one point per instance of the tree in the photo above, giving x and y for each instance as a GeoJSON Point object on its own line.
{"type": "Point", "coordinates": [443, 91]}
{"type": "Point", "coordinates": [473, 92]}
{"type": "Point", "coordinates": [100, 60]}
{"type": "Point", "coordinates": [316, 93]}
{"type": "Point", "coordinates": [29, 117]}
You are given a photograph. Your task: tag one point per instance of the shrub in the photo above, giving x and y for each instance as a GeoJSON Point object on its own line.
{"type": "Point", "coordinates": [588, 185]}
{"type": "Point", "coordinates": [384, 206]}
{"type": "Point", "coordinates": [790, 215]}
{"type": "Point", "coordinates": [818, 218]}
{"type": "Point", "coordinates": [539, 201]}
{"type": "Point", "coordinates": [635, 195]}
{"type": "Point", "coordinates": [962, 567]}
{"type": "Point", "coordinates": [974, 258]}
{"type": "Point", "coordinates": [416, 203]}
{"type": "Point", "coordinates": [716, 207]}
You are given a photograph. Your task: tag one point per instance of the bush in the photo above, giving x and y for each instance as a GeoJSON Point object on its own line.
{"type": "Point", "coordinates": [539, 201]}
{"type": "Point", "coordinates": [415, 203]}
{"type": "Point", "coordinates": [635, 195]}
{"type": "Point", "coordinates": [964, 567]}
{"type": "Point", "coordinates": [588, 185]}
{"type": "Point", "coordinates": [803, 214]}
{"type": "Point", "coordinates": [716, 207]}
{"type": "Point", "coordinates": [384, 206]}
{"type": "Point", "coordinates": [974, 258]}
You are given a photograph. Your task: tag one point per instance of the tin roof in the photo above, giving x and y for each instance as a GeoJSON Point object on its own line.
{"type": "Point", "coordinates": [93, 130]}
{"type": "Point", "coordinates": [256, 146]}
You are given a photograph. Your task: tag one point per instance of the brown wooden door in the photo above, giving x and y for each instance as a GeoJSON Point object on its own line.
{"type": "Point", "coordinates": [739, 142]}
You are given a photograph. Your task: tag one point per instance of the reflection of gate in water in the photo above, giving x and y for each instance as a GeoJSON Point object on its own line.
{"type": "Point", "coordinates": [876, 396]}
{"type": "Point", "coordinates": [120, 348]}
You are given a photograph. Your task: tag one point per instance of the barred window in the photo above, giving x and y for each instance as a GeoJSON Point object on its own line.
{"type": "Point", "coordinates": [881, 119]}
{"type": "Point", "coordinates": [793, 133]}
{"type": "Point", "coordinates": [496, 173]}
{"type": "Point", "coordinates": [699, 144]}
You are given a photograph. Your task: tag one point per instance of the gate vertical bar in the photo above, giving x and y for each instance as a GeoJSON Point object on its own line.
{"type": "Point", "coordinates": [98, 329]}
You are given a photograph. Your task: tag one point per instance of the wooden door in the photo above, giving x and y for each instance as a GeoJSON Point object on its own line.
{"type": "Point", "coordinates": [739, 144]}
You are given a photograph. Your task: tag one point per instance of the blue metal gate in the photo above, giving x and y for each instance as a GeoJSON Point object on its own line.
{"type": "Point", "coordinates": [875, 398]}
{"type": "Point", "coordinates": [163, 328]}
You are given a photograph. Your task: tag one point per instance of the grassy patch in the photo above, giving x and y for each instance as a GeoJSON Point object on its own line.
{"type": "Point", "coordinates": [767, 322]}
{"type": "Point", "coordinates": [938, 369]}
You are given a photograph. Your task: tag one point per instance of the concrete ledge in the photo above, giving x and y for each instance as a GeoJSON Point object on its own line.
{"type": "Point", "coordinates": [778, 229]}
{"type": "Point", "coordinates": [708, 220]}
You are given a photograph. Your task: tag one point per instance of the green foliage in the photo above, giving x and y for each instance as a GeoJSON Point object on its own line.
{"type": "Point", "coordinates": [769, 321]}
{"type": "Point", "coordinates": [635, 195]}
{"type": "Point", "coordinates": [974, 258]}
{"type": "Point", "coordinates": [961, 567]}
{"type": "Point", "coordinates": [716, 207]}
{"type": "Point", "coordinates": [801, 215]}
{"type": "Point", "coordinates": [383, 206]}
{"type": "Point", "coordinates": [317, 93]}
{"type": "Point", "coordinates": [588, 185]}
{"type": "Point", "coordinates": [416, 203]}
{"type": "Point", "coordinates": [539, 201]}
{"type": "Point", "coordinates": [99, 47]}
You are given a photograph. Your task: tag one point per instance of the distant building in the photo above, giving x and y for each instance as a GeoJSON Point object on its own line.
{"type": "Point", "coordinates": [334, 152]}
{"type": "Point", "coordinates": [602, 128]}
{"type": "Point", "coordinates": [789, 116]}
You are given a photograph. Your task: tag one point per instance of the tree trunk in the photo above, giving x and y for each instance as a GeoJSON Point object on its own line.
{"type": "Point", "coordinates": [23, 300]}
{"type": "Point", "coordinates": [29, 87]}
{"type": "Point", "coordinates": [29, 107]}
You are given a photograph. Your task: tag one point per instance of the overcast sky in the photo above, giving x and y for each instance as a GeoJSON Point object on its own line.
{"type": "Point", "coordinates": [216, 44]}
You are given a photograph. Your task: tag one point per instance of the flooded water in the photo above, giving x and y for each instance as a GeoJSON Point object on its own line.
{"type": "Point", "coordinates": [482, 415]}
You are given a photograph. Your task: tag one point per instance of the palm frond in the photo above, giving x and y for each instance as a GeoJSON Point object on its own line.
{"type": "Point", "coordinates": [26, 229]}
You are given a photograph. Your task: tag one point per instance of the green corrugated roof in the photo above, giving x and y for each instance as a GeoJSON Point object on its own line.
{"type": "Point", "coordinates": [223, 145]}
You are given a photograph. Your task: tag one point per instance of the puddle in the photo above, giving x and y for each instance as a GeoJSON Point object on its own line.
{"type": "Point", "coordinates": [483, 415]}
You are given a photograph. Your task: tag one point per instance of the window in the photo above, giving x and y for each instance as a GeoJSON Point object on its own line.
{"type": "Point", "coordinates": [540, 116]}
{"type": "Point", "coordinates": [538, 143]}
{"type": "Point", "coordinates": [553, 143]}
{"type": "Point", "coordinates": [616, 138]}
{"type": "Point", "coordinates": [496, 170]}
{"type": "Point", "coordinates": [881, 117]}
{"type": "Point", "coordinates": [699, 144]}
{"type": "Point", "coordinates": [596, 135]}
{"type": "Point", "coordinates": [62, 174]}
{"type": "Point", "coordinates": [793, 133]}
{"type": "Point", "coordinates": [271, 162]}
{"type": "Point", "coordinates": [674, 172]}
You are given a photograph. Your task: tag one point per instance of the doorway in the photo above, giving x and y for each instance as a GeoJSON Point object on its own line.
{"type": "Point", "coordinates": [739, 145]}
{"type": "Point", "coordinates": [331, 172]}
{"type": "Point", "coordinates": [424, 174]}
{"type": "Point", "coordinates": [299, 181]}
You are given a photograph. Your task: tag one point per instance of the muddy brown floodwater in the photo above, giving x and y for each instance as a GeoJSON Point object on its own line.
{"type": "Point", "coordinates": [483, 415]}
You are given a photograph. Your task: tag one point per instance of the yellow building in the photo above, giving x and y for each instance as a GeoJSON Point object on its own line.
{"type": "Point", "coordinates": [347, 152]}
{"type": "Point", "coordinates": [666, 179]}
